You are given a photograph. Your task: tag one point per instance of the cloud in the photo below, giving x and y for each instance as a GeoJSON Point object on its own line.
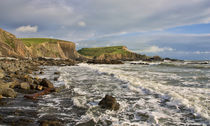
{"type": "Point", "coordinates": [81, 24]}
{"type": "Point", "coordinates": [27, 29]}
{"type": "Point", "coordinates": [156, 49]}
{"type": "Point", "coordinates": [58, 18]}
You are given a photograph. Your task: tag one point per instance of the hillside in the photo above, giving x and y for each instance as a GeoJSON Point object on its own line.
{"type": "Point", "coordinates": [11, 46]}
{"type": "Point", "coordinates": [111, 53]}
{"type": "Point", "coordinates": [36, 47]}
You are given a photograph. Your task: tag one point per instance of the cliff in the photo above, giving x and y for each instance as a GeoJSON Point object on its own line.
{"type": "Point", "coordinates": [10, 46]}
{"type": "Point", "coordinates": [111, 53]}
{"type": "Point", "coordinates": [45, 47]}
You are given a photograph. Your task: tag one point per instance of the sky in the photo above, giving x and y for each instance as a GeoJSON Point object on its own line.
{"type": "Point", "coordinates": [168, 28]}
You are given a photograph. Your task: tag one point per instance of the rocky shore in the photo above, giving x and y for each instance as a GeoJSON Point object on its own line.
{"type": "Point", "coordinates": [18, 82]}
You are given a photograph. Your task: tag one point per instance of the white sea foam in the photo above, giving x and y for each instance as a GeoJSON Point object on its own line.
{"type": "Point", "coordinates": [192, 97]}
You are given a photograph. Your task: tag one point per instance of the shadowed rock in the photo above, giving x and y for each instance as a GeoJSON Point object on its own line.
{"type": "Point", "coordinates": [46, 83]}
{"type": "Point", "coordinates": [109, 102]}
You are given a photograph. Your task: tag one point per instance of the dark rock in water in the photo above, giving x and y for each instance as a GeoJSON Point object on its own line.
{"type": "Point", "coordinates": [89, 123]}
{"type": "Point", "coordinates": [41, 72]}
{"type": "Point", "coordinates": [8, 92]}
{"type": "Point", "coordinates": [50, 123]}
{"type": "Point", "coordinates": [57, 73]}
{"type": "Point", "coordinates": [139, 63]}
{"type": "Point", "coordinates": [109, 102]}
{"type": "Point", "coordinates": [55, 79]}
{"type": "Point", "coordinates": [46, 83]}
{"type": "Point", "coordinates": [104, 61]}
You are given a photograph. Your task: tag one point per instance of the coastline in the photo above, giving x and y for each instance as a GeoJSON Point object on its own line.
{"type": "Point", "coordinates": [19, 85]}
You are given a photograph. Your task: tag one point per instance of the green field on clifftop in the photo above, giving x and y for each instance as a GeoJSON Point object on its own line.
{"type": "Point", "coordinates": [32, 41]}
{"type": "Point", "coordinates": [92, 52]}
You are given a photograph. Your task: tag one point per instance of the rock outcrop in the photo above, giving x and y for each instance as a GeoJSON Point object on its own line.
{"type": "Point", "coordinates": [11, 46]}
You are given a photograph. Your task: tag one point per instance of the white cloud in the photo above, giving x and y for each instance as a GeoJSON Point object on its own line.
{"type": "Point", "coordinates": [156, 49]}
{"type": "Point", "coordinates": [81, 24]}
{"type": "Point", "coordinates": [27, 29]}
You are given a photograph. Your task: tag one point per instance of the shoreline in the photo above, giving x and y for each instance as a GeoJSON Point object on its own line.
{"type": "Point", "coordinates": [17, 84]}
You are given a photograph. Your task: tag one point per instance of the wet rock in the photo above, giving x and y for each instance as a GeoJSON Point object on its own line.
{"type": "Point", "coordinates": [104, 61]}
{"type": "Point", "coordinates": [89, 123]}
{"type": "Point", "coordinates": [109, 102]}
{"type": "Point", "coordinates": [39, 87]}
{"type": "Point", "coordinates": [55, 79]}
{"type": "Point", "coordinates": [25, 86]}
{"type": "Point", "coordinates": [8, 92]}
{"type": "Point", "coordinates": [50, 123]}
{"type": "Point", "coordinates": [46, 83]}
{"type": "Point", "coordinates": [36, 95]}
{"type": "Point", "coordinates": [56, 73]}
{"type": "Point", "coordinates": [41, 72]}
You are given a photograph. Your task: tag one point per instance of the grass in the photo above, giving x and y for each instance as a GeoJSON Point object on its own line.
{"type": "Point", "coordinates": [33, 41]}
{"type": "Point", "coordinates": [94, 52]}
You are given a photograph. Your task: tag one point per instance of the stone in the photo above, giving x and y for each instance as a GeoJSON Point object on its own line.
{"type": "Point", "coordinates": [109, 102]}
{"type": "Point", "coordinates": [88, 123]}
{"type": "Point", "coordinates": [1, 73]}
{"type": "Point", "coordinates": [33, 86]}
{"type": "Point", "coordinates": [8, 92]}
{"type": "Point", "coordinates": [56, 73]}
{"type": "Point", "coordinates": [39, 87]}
{"type": "Point", "coordinates": [46, 83]}
{"type": "Point", "coordinates": [25, 86]}
{"type": "Point", "coordinates": [50, 123]}
{"type": "Point", "coordinates": [55, 79]}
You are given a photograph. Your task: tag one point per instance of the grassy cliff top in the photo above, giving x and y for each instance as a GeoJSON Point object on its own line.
{"type": "Point", "coordinates": [33, 41]}
{"type": "Point", "coordinates": [92, 52]}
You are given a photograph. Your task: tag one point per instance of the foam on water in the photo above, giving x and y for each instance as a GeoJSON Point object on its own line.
{"type": "Point", "coordinates": [193, 97]}
{"type": "Point", "coordinates": [148, 95]}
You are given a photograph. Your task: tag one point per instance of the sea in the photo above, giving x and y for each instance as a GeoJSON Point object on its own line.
{"type": "Point", "coordinates": [149, 93]}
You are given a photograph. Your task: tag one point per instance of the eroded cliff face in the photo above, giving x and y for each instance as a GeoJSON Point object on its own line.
{"type": "Point", "coordinates": [11, 46]}
{"type": "Point", "coordinates": [59, 49]}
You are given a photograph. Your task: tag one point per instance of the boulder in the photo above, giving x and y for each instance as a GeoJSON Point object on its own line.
{"type": "Point", "coordinates": [46, 83]}
{"type": "Point", "coordinates": [8, 92]}
{"type": "Point", "coordinates": [109, 102]}
{"type": "Point", "coordinates": [25, 86]}
{"type": "Point", "coordinates": [56, 73]}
